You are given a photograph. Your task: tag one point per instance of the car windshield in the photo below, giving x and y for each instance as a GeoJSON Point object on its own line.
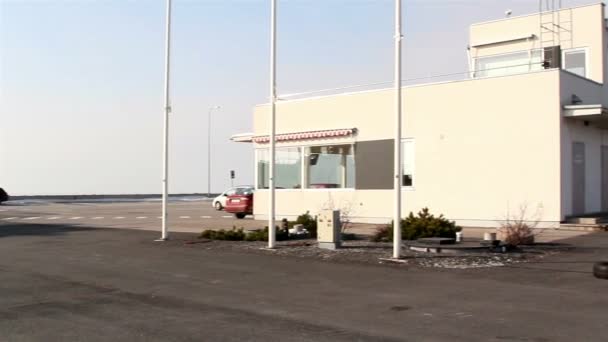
{"type": "Point", "coordinates": [244, 191]}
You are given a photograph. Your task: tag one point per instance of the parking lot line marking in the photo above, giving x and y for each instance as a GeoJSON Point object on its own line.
{"type": "Point", "coordinates": [184, 217]}
{"type": "Point", "coordinates": [119, 217]}
{"type": "Point", "coordinates": [141, 217]}
{"type": "Point", "coordinates": [206, 217]}
{"type": "Point", "coordinates": [226, 216]}
{"type": "Point", "coordinates": [31, 218]}
{"type": "Point", "coordinates": [76, 218]}
{"type": "Point", "coordinates": [9, 218]}
{"type": "Point", "coordinates": [53, 218]}
{"type": "Point", "coordinates": [97, 217]}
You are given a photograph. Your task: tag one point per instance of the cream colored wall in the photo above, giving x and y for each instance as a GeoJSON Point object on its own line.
{"type": "Point", "coordinates": [593, 138]}
{"type": "Point", "coordinates": [363, 111]}
{"type": "Point", "coordinates": [589, 92]}
{"type": "Point", "coordinates": [605, 44]}
{"type": "Point", "coordinates": [588, 30]}
{"type": "Point", "coordinates": [483, 147]}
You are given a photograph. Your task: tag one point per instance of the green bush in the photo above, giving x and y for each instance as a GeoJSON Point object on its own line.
{"type": "Point", "coordinates": [262, 235]}
{"type": "Point", "coordinates": [423, 225]}
{"type": "Point", "coordinates": [240, 235]}
{"type": "Point", "coordinates": [257, 235]}
{"type": "Point", "coordinates": [348, 236]}
{"type": "Point", "coordinates": [309, 222]}
{"type": "Point", "coordinates": [227, 235]}
{"type": "Point", "coordinates": [383, 234]}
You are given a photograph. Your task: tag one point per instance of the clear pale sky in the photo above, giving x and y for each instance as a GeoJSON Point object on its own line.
{"type": "Point", "coordinates": [81, 82]}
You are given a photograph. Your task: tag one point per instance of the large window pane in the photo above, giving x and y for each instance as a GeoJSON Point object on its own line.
{"type": "Point", "coordinates": [288, 168]}
{"type": "Point", "coordinates": [509, 64]}
{"type": "Point", "coordinates": [576, 62]}
{"type": "Point", "coordinates": [407, 162]}
{"type": "Point", "coordinates": [330, 166]}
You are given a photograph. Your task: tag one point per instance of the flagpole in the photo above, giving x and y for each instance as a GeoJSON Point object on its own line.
{"type": "Point", "coordinates": [167, 110]}
{"type": "Point", "coordinates": [397, 158]}
{"type": "Point", "coordinates": [273, 97]}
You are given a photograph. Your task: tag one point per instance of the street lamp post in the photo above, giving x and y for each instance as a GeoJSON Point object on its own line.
{"type": "Point", "coordinates": [167, 110]}
{"type": "Point", "coordinates": [209, 149]}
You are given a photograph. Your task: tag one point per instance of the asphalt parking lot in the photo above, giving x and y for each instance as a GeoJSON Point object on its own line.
{"type": "Point", "coordinates": [184, 215]}
{"type": "Point", "coordinates": [63, 282]}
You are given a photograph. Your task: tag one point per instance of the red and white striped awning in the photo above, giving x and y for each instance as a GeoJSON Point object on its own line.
{"type": "Point", "coordinates": [324, 134]}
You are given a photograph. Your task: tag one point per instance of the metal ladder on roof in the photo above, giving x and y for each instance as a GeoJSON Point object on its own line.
{"type": "Point", "coordinates": [556, 25]}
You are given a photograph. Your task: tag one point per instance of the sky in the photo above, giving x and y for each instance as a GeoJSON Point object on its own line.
{"type": "Point", "coordinates": [81, 81]}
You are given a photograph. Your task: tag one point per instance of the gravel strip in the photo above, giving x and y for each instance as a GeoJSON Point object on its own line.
{"type": "Point", "coordinates": [366, 252]}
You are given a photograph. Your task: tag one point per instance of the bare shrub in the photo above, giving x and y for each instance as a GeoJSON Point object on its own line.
{"type": "Point", "coordinates": [346, 211]}
{"type": "Point", "coordinates": [520, 228]}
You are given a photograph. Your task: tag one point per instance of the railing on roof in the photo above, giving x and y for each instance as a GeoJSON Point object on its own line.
{"type": "Point", "coordinates": [448, 77]}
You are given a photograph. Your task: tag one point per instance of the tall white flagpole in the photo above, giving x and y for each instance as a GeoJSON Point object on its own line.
{"type": "Point", "coordinates": [397, 159]}
{"type": "Point", "coordinates": [167, 109]}
{"type": "Point", "coordinates": [273, 97]}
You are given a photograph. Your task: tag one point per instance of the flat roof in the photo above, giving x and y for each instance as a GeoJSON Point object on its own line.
{"type": "Point", "coordinates": [304, 98]}
{"type": "Point", "coordinates": [406, 87]}
{"type": "Point", "coordinates": [536, 13]}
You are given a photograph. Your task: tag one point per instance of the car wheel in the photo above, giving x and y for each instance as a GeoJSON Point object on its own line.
{"type": "Point", "coordinates": [240, 215]}
{"type": "Point", "coordinates": [600, 270]}
{"type": "Point", "coordinates": [218, 206]}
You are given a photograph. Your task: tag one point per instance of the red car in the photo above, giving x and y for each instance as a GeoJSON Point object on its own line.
{"type": "Point", "coordinates": [240, 204]}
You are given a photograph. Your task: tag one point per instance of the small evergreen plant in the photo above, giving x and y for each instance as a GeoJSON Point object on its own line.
{"type": "Point", "coordinates": [423, 225]}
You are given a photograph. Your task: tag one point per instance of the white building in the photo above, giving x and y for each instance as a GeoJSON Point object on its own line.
{"type": "Point", "coordinates": [528, 127]}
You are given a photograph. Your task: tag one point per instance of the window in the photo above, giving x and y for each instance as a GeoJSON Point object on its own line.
{"type": "Point", "coordinates": [244, 191]}
{"type": "Point", "coordinates": [330, 166]}
{"type": "Point", "coordinates": [508, 64]}
{"type": "Point", "coordinates": [407, 162]}
{"type": "Point", "coordinates": [288, 168]}
{"type": "Point", "coordinates": [575, 61]}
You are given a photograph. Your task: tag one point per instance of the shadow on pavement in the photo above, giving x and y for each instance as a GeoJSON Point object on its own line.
{"type": "Point", "coordinates": [580, 253]}
{"type": "Point", "coordinates": [525, 267]}
{"type": "Point", "coordinates": [33, 229]}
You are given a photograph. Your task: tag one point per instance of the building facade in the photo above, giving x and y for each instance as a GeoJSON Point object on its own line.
{"type": "Point", "coordinates": [527, 128]}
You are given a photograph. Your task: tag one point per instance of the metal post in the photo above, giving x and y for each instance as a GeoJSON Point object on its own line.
{"type": "Point", "coordinates": [209, 149]}
{"type": "Point", "coordinates": [167, 109]}
{"type": "Point", "coordinates": [397, 159]}
{"type": "Point", "coordinates": [209, 153]}
{"type": "Point", "coordinates": [273, 97]}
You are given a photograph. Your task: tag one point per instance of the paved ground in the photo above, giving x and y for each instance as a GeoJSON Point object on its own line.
{"type": "Point", "coordinates": [63, 282]}
{"type": "Point", "coordinates": [191, 216]}
{"type": "Point", "coordinates": [184, 216]}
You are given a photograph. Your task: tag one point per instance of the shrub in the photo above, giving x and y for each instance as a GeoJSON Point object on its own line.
{"type": "Point", "coordinates": [348, 236]}
{"type": "Point", "coordinates": [228, 235]}
{"type": "Point", "coordinates": [241, 235]}
{"type": "Point", "coordinates": [257, 235]}
{"type": "Point", "coordinates": [423, 225]}
{"type": "Point", "coordinates": [516, 233]}
{"type": "Point", "coordinates": [518, 229]}
{"type": "Point", "coordinates": [309, 222]}
{"type": "Point", "coordinates": [383, 234]}
{"type": "Point", "coordinates": [262, 235]}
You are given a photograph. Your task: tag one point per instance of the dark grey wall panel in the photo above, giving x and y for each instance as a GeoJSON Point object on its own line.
{"type": "Point", "coordinates": [374, 164]}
